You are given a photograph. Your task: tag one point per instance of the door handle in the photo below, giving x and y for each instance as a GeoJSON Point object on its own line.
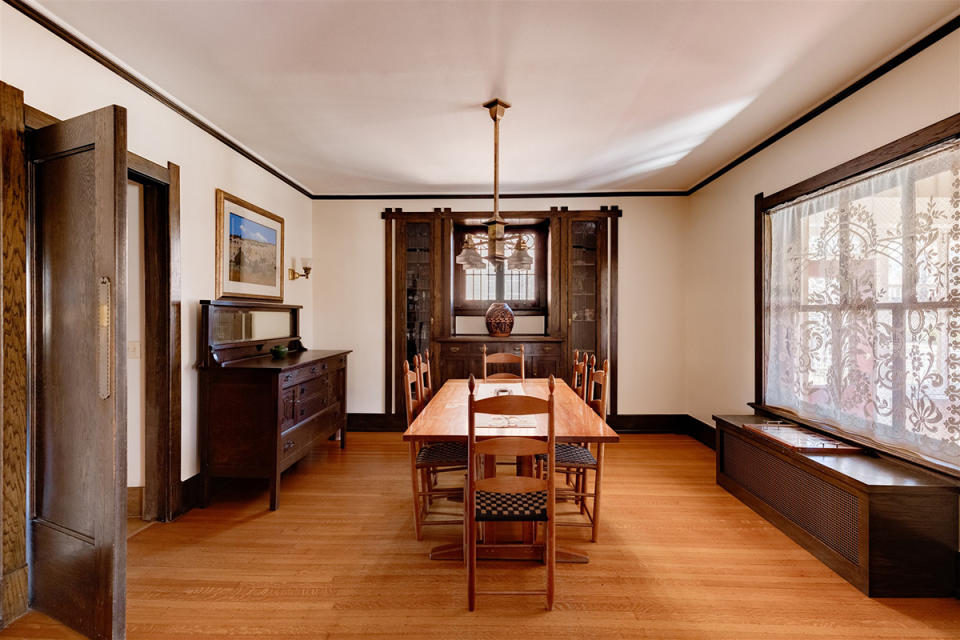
{"type": "Point", "coordinates": [104, 311]}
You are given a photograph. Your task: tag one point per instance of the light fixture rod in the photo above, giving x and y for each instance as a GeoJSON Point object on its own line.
{"type": "Point", "coordinates": [497, 108]}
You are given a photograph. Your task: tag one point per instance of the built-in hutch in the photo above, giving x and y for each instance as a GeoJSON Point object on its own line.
{"type": "Point", "coordinates": [570, 304]}
{"type": "Point", "coordinates": [260, 414]}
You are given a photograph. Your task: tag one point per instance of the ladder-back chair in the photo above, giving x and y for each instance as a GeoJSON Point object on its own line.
{"type": "Point", "coordinates": [503, 358]}
{"type": "Point", "coordinates": [428, 461]}
{"type": "Point", "coordinates": [510, 498]}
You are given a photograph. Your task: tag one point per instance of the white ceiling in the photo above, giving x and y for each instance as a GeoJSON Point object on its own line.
{"type": "Point", "coordinates": [373, 97]}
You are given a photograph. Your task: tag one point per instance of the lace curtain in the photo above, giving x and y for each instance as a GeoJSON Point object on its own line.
{"type": "Point", "coordinates": [862, 305]}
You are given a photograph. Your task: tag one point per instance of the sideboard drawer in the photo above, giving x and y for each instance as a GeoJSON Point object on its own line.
{"type": "Point", "coordinates": [294, 440]}
{"type": "Point", "coordinates": [321, 385]}
{"type": "Point", "coordinates": [314, 404]}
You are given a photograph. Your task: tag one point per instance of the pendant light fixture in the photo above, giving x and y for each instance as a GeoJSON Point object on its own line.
{"type": "Point", "coordinates": [497, 248]}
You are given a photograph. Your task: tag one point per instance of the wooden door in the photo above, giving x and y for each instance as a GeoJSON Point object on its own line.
{"type": "Point", "coordinates": [78, 476]}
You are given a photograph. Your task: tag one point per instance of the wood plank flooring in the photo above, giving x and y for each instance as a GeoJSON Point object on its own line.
{"type": "Point", "coordinates": [678, 557]}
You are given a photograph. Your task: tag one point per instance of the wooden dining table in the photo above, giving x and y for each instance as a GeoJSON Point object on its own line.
{"type": "Point", "coordinates": [444, 419]}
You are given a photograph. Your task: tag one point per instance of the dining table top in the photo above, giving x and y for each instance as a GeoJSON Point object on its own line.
{"type": "Point", "coordinates": [445, 416]}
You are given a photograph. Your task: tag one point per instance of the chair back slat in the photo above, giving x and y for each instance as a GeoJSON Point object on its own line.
{"type": "Point", "coordinates": [412, 390]}
{"type": "Point", "coordinates": [511, 446]}
{"type": "Point", "coordinates": [426, 379]}
{"type": "Point", "coordinates": [511, 405]}
{"type": "Point", "coordinates": [580, 374]}
{"type": "Point", "coordinates": [504, 358]}
{"type": "Point", "coordinates": [598, 388]}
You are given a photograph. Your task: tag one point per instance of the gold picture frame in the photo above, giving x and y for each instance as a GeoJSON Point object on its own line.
{"type": "Point", "coordinates": [249, 250]}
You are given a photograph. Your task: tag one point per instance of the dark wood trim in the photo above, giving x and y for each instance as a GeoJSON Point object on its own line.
{"type": "Point", "coordinates": [375, 422]}
{"type": "Point", "coordinates": [539, 214]}
{"type": "Point", "coordinates": [648, 422]}
{"type": "Point", "coordinates": [191, 491]}
{"type": "Point", "coordinates": [147, 169]}
{"type": "Point", "coordinates": [388, 317]}
{"type": "Point", "coordinates": [614, 311]}
{"type": "Point", "coordinates": [918, 140]}
{"type": "Point", "coordinates": [702, 432]}
{"type": "Point", "coordinates": [35, 119]}
{"type": "Point", "coordinates": [14, 396]}
{"type": "Point", "coordinates": [161, 340]}
{"type": "Point", "coordinates": [891, 64]}
{"type": "Point", "coordinates": [175, 305]}
{"type": "Point", "coordinates": [70, 38]}
{"type": "Point", "coordinates": [489, 196]}
{"type": "Point", "coordinates": [463, 307]}
{"type": "Point", "coordinates": [758, 304]}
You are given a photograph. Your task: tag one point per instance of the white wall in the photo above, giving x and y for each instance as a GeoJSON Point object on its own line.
{"type": "Point", "coordinates": [348, 245]}
{"type": "Point", "coordinates": [58, 79]}
{"type": "Point", "coordinates": [718, 359]}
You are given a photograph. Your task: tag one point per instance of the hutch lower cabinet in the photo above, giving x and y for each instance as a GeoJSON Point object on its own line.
{"type": "Point", "coordinates": [260, 414]}
{"type": "Point", "coordinates": [460, 356]}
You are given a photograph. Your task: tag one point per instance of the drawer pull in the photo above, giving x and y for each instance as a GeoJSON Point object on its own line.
{"type": "Point", "coordinates": [313, 369]}
{"type": "Point", "coordinates": [517, 348]}
{"type": "Point", "coordinates": [288, 377]}
{"type": "Point", "coordinates": [454, 349]}
{"type": "Point", "coordinates": [289, 444]}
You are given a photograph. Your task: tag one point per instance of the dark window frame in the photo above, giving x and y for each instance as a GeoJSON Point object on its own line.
{"type": "Point", "coordinates": [942, 131]}
{"type": "Point", "coordinates": [535, 307]}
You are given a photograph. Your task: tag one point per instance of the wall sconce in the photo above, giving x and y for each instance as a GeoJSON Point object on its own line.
{"type": "Point", "coordinates": [293, 273]}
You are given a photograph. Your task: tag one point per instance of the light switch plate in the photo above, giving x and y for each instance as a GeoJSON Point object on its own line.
{"type": "Point", "coordinates": [133, 350]}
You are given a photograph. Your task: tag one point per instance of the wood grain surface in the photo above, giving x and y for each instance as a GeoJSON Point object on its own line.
{"type": "Point", "coordinates": [680, 558]}
{"type": "Point", "coordinates": [445, 418]}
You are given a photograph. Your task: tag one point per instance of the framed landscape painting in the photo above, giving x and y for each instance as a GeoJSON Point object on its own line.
{"type": "Point", "coordinates": [249, 250]}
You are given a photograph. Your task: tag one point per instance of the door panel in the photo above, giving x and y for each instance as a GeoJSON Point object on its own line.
{"type": "Point", "coordinates": [78, 478]}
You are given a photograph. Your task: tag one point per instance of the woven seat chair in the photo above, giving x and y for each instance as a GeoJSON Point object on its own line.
{"type": "Point", "coordinates": [429, 460]}
{"type": "Point", "coordinates": [510, 498]}
{"type": "Point", "coordinates": [578, 460]}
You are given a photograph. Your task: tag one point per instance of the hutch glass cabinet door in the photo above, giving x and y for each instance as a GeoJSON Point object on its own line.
{"type": "Point", "coordinates": [418, 287]}
{"type": "Point", "coordinates": [584, 300]}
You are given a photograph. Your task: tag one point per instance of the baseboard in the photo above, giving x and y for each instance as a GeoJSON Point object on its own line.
{"type": "Point", "coordinates": [134, 502]}
{"type": "Point", "coordinates": [647, 422]}
{"type": "Point", "coordinates": [701, 432]}
{"type": "Point", "coordinates": [190, 490]}
{"type": "Point", "coordinates": [375, 422]}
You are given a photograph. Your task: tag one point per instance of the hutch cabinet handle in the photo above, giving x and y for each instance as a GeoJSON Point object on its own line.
{"type": "Point", "coordinates": [289, 444]}
{"type": "Point", "coordinates": [288, 377]}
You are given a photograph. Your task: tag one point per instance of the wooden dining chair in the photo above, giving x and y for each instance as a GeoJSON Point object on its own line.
{"type": "Point", "coordinates": [503, 358]}
{"type": "Point", "coordinates": [577, 460]}
{"type": "Point", "coordinates": [510, 498]}
{"type": "Point", "coordinates": [426, 379]}
{"type": "Point", "coordinates": [580, 373]}
{"type": "Point", "coordinates": [429, 460]}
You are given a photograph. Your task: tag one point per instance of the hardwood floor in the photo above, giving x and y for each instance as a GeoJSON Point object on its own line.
{"type": "Point", "coordinates": [678, 557]}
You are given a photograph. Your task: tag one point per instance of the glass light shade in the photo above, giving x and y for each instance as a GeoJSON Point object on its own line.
{"type": "Point", "coordinates": [307, 263]}
{"type": "Point", "coordinates": [520, 259]}
{"type": "Point", "coordinates": [469, 257]}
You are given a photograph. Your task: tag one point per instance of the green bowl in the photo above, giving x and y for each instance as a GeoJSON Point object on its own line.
{"type": "Point", "coordinates": [279, 351]}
